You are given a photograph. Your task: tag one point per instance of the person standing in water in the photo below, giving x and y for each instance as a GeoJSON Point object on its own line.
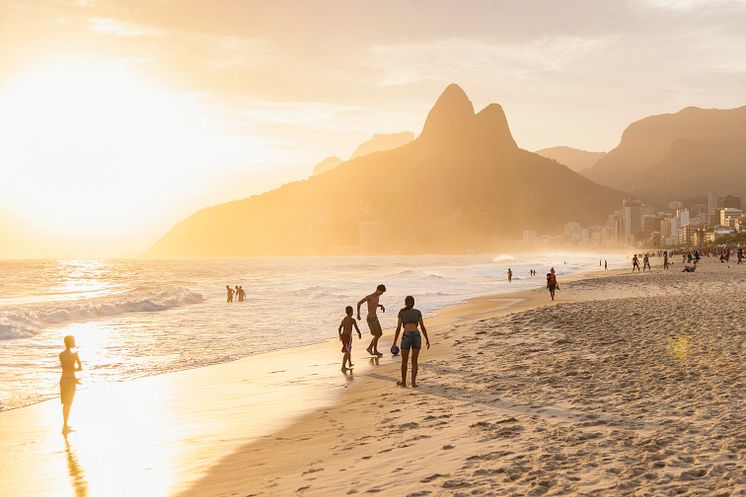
{"type": "Point", "coordinates": [230, 294]}
{"type": "Point", "coordinates": [510, 275]}
{"type": "Point", "coordinates": [410, 318]}
{"type": "Point", "coordinates": [345, 336]}
{"type": "Point", "coordinates": [372, 318]}
{"type": "Point", "coordinates": [70, 362]}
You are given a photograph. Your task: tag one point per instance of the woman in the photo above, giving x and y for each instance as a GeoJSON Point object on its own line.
{"type": "Point", "coordinates": [410, 318]}
{"type": "Point", "coordinates": [552, 283]}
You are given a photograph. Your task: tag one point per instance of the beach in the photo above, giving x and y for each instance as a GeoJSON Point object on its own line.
{"type": "Point", "coordinates": [628, 384]}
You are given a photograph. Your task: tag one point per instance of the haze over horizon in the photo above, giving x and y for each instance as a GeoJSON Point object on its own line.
{"type": "Point", "coordinates": [119, 119]}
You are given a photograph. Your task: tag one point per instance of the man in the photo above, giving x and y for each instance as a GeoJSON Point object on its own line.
{"type": "Point", "coordinates": [372, 319]}
{"type": "Point", "coordinates": [230, 294]}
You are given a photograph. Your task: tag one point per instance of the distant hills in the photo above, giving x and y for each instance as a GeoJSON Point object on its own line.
{"type": "Point", "coordinates": [379, 143]}
{"type": "Point", "coordinates": [574, 158]}
{"type": "Point", "coordinates": [678, 156]}
{"type": "Point", "coordinates": [462, 185]}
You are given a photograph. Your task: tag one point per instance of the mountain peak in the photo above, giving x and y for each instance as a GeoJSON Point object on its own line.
{"type": "Point", "coordinates": [452, 114]}
{"type": "Point", "coordinates": [493, 126]}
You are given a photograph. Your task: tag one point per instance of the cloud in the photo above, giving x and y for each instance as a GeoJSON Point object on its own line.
{"type": "Point", "coordinates": [108, 26]}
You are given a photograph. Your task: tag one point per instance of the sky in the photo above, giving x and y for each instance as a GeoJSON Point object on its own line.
{"type": "Point", "coordinates": [120, 118]}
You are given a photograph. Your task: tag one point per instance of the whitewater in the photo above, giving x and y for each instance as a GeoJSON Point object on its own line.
{"type": "Point", "coordinates": [134, 318]}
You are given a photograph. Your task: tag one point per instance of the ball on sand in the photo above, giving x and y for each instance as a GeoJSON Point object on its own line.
{"type": "Point", "coordinates": [394, 350]}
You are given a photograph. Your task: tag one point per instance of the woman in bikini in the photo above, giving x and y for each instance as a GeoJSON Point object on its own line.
{"type": "Point", "coordinates": [410, 318]}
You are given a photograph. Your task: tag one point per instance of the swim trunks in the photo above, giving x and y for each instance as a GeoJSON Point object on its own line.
{"type": "Point", "coordinates": [411, 340]}
{"type": "Point", "coordinates": [374, 326]}
{"type": "Point", "coordinates": [67, 389]}
{"type": "Point", "coordinates": [346, 342]}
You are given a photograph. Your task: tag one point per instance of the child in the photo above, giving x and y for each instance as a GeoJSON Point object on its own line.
{"type": "Point", "coordinates": [70, 362]}
{"type": "Point", "coordinates": [345, 336]}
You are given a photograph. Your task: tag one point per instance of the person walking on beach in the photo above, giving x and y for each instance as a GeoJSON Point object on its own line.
{"type": "Point", "coordinates": [665, 259]}
{"type": "Point", "coordinates": [635, 263]}
{"type": "Point", "coordinates": [606, 265]}
{"type": "Point", "coordinates": [510, 275]}
{"type": "Point", "coordinates": [70, 362]}
{"type": "Point", "coordinates": [551, 284]}
{"type": "Point", "coordinates": [345, 336]}
{"type": "Point", "coordinates": [372, 318]}
{"type": "Point", "coordinates": [410, 318]}
{"type": "Point", "coordinates": [230, 294]}
{"type": "Point", "coordinates": [646, 263]}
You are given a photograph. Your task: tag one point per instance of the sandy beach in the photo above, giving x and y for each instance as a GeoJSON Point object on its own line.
{"type": "Point", "coordinates": [628, 384]}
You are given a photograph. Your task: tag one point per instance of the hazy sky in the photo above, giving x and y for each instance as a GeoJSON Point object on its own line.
{"type": "Point", "coordinates": [118, 118]}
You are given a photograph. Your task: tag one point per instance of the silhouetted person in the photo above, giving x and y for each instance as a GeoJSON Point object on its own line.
{"type": "Point", "coordinates": [606, 265]}
{"type": "Point", "coordinates": [70, 362]}
{"type": "Point", "coordinates": [551, 284]}
{"type": "Point", "coordinates": [510, 275]}
{"type": "Point", "coordinates": [240, 293]}
{"type": "Point", "coordinates": [635, 263]}
{"type": "Point", "coordinates": [410, 318]}
{"type": "Point", "coordinates": [372, 318]}
{"type": "Point", "coordinates": [230, 293]}
{"type": "Point", "coordinates": [646, 263]}
{"type": "Point", "coordinates": [345, 336]}
{"type": "Point", "coordinates": [665, 259]}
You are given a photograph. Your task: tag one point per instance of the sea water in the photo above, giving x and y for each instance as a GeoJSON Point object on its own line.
{"type": "Point", "coordinates": [134, 318]}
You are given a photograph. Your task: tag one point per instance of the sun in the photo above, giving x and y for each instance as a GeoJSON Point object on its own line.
{"type": "Point", "coordinates": [89, 144]}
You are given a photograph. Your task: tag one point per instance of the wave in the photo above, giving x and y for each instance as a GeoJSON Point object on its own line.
{"type": "Point", "coordinates": [503, 258]}
{"type": "Point", "coordinates": [415, 273]}
{"type": "Point", "coordinates": [26, 320]}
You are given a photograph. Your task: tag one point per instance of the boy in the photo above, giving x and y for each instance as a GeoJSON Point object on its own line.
{"type": "Point", "coordinates": [345, 336]}
{"type": "Point", "coordinates": [70, 362]}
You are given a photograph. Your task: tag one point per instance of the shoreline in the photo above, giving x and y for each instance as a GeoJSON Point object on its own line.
{"type": "Point", "coordinates": [184, 450]}
{"type": "Point", "coordinates": [533, 400]}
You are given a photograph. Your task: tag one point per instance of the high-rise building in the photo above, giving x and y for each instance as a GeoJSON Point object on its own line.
{"type": "Point", "coordinates": [650, 225]}
{"type": "Point", "coordinates": [665, 227]}
{"type": "Point", "coordinates": [632, 218]}
{"type": "Point", "coordinates": [683, 216]}
{"type": "Point", "coordinates": [712, 206]}
{"type": "Point", "coordinates": [729, 202]}
{"type": "Point", "coordinates": [732, 218]}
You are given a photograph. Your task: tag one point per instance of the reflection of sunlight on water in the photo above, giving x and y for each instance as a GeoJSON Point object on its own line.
{"type": "Point", "coordinates": [82, 276]}
{"type": "Point", "coordinates": [680, 348]}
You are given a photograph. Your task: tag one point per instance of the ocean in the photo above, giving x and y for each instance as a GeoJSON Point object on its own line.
{"type": "Point", "coordinates": [134, 318]}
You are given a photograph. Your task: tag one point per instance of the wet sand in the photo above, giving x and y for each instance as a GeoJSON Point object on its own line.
{"type": "Point", "coordinates": [628, 385]}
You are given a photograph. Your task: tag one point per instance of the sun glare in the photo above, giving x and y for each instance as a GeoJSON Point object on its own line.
{"type": "Point", "coordinates": [84, 142]}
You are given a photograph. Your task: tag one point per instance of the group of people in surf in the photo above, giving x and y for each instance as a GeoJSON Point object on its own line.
{"type": "Point", "coordinates": [410, 325]}
{"type": "Point", "coordinates": [236, 293]}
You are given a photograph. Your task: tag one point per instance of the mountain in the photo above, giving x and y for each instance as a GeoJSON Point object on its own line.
{"type": "Point", "coordinates": [327, 165]}
{"type": "Point", "coordinates": [662, 157]}
{"type": "Point", "coordinates": [381, 142]}
{"type": "Point", "coordinates": [574, 158]}
{"type": "Point", "coordinates": [462, 186]}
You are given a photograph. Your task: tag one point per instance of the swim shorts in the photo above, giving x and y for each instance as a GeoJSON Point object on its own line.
{"type": "Point", "coordinates": [374, 326]}
{"type": "Point", "coordinates": [67, 389]}
{"type": "Point", "coordinates": [411, 340]}
{"type": "Point", "coordinates": [346, 342]}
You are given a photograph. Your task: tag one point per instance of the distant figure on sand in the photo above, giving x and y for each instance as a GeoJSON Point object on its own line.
{"type": "Point", "coordinates": [345, 336]}
{"type": "Point", "coordinates": [606, 265]}
{"type": "Point", "coordinates": [635, 263]}
{"type": "Point", "coordinates": [230, 293]}
{"type": "Point", "coordinates": [551, 284]}
{"type": "Point", "coordinates": [665, 259]}
{"type": "Point", "coordinates": [372, 319]}
{"type": "Point", "coordinates": [646, 263]}
{"type": "Point", "coordinates": [70, 362]}
{"type": "Point", "coordinates": [410, 318]}
{"type": "Point", "coordinates": [510, 275]}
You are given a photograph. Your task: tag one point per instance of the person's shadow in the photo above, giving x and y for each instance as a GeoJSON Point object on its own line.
{"type": "Point", "coordinates": [76, 472]}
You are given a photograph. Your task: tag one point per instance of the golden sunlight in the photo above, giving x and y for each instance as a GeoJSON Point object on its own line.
{"type": "Point", "coordinates": [84, 139]}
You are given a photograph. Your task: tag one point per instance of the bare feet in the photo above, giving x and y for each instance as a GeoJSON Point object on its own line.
{"type": "Point", "coordinates": [370, 351]}
{"type": "Point", "coordinates": [344, 369]}
{"type": "Point", "coordinates": [379, 354]}
{"type": "Point", "coordinates": [401, 384]}
{"type": "Point", "coordinates": [414, 385]}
